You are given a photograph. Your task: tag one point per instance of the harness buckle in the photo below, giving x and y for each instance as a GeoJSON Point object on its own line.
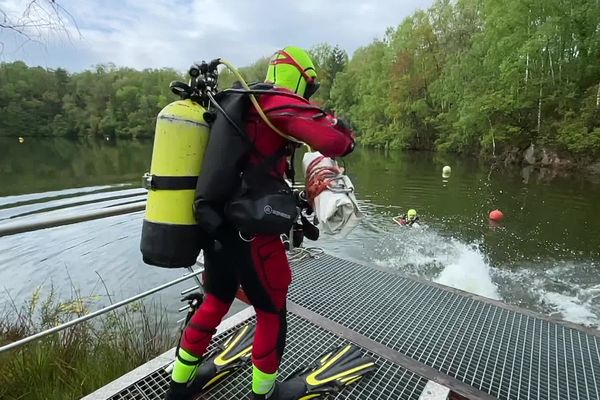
{"type": "Point", "coordinates": [147, 181]}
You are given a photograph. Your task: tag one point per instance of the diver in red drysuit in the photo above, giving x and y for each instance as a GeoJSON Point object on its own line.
{"type": "Point", "coordinates": [261, 265]}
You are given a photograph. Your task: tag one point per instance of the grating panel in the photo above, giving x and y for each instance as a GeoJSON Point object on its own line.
{"type": "Point", "coordinates": [154, 385]}
{"type": "Point", "coordinates": [305, 343]}
{"type": "Point", "coordinates": [130, 393]}
{"type": "Point", "coordinates": [505, 353]}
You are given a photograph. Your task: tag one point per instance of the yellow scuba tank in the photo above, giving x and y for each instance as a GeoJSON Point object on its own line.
{"type": "Point", "coordinates": [170, 235]}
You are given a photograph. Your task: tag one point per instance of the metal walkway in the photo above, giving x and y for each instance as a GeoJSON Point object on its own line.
{"type": "Point", "coordinates": [418, 331]}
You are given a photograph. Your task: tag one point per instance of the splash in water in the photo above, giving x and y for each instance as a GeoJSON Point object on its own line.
{"type": "Point", "coordinates": [469, 273]}
{"type": "Point", "coordinates": [424, 252]}
{"type": "Point", "coordinates": [558, 289]}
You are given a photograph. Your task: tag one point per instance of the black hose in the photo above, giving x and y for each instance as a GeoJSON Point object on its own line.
{"type": "Point", "coordinates": [238, 129]}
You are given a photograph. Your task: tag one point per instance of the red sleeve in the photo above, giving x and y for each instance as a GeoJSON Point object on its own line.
{"type": "Point", "coordinates": [306, 122]}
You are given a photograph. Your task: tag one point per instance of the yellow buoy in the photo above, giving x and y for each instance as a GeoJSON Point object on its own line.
{"type": "Point", "coordinates": [446, 171]}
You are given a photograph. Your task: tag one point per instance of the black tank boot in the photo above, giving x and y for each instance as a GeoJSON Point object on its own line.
{"type": "Point", "coordinates": [178, 391]}
{"type": "Point", "coordinates": [272, 395]}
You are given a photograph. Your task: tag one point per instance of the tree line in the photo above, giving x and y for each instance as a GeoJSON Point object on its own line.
{"type": "Point", "coordinates": [106, 101]}
{"type": "Point", "coordinates": [467, 76]}
{"type": "Point", "coordinates": [480, 76]}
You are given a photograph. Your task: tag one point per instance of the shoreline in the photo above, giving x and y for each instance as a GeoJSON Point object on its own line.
{"type": "Point", "coordinates": [532, 158]}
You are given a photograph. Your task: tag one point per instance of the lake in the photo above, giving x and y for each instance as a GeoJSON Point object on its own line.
{"type": "Point", "coordinates": [544, 256]}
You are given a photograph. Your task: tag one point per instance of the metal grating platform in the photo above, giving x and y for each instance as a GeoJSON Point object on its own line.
{"type": "Point", "coordinates": [305, 343]}
{"type": "Point", "coordinates": [416, 330]}
{"type": "Point", "coordinates": [507, 353]}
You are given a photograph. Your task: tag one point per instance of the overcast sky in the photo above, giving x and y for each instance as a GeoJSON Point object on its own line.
{"type": "Point", "coordinates": [173, 33]}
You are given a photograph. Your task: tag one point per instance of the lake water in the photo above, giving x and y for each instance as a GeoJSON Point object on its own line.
{"type": "Point", "coordinates": [544, 256]}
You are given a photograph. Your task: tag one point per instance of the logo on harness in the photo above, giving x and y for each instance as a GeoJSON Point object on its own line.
{"type": "Point", "coordinates": [269, 210]}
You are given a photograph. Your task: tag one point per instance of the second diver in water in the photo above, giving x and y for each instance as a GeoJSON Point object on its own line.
{"type": "Point", "coordinates": [408, 219]}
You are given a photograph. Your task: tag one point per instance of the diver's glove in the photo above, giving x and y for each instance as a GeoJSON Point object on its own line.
{"type": "Point", "coordinates": [302, 201]}
{"type": "Point", "coordinates": [196, 297]}
{"type": "Point", "coordinates": [350, 149]}
{"type": "Point", "coordinates": [309, 230]}
{"type": "Point", "coordinates": [345, 127]}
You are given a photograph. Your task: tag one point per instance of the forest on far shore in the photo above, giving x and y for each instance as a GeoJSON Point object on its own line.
{"type": "Point", "coordinates": [465, 76]}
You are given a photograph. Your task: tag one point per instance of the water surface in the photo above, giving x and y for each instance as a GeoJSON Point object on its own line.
{"type": "Point", "coordinates": [544, 256]}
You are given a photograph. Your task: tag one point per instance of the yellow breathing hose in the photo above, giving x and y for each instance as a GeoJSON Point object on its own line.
{"type": "Point", "coordinates": [263, 116]}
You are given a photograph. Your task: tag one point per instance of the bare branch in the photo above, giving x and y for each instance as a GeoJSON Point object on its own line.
{"type": "Point", "coordinates": [39, 19]}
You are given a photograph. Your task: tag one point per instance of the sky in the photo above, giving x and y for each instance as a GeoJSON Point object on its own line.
{"type": "Point", "coordinates": [174, 33]}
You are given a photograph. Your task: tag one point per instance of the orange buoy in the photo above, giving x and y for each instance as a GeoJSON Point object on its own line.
{"type": "Point", "coordinates": [496, 215]}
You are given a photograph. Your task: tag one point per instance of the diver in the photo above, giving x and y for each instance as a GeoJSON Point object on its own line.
{"type": "Point", "coordinates": [259, 262]}
{"type": "Point", "coordinates": [408, 219]}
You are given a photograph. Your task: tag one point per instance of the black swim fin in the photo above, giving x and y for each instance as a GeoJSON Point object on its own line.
{"type": "Point", "coordinates": [332, 372]}
{"type": "Point", "coordinates": [225, 359]}
{"type": "Point", "coordinates": [217, 365]}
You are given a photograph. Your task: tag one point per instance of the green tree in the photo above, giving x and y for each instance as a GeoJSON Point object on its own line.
{"type": "Point", "coordinates": [107, 101]}
{"type": "Point", "coordinates": [470, 76]}
{"type": "Point", "coordinates": [329, 61]}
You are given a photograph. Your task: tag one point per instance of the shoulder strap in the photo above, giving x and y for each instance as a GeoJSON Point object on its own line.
{"type": "Point", "coordinates": [232, 121]}
{"type": "Point", "coordinates": [261, 86]}
{"type": "Point", "coordinates": [305, 107]}
{"type": "Point", "coordinates": [269, 163]}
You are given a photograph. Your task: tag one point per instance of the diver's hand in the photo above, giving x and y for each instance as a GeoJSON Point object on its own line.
{"type": "Point", "coordinates": [346, 129]}
{"type": "Point", "coordinates": [190, 297]}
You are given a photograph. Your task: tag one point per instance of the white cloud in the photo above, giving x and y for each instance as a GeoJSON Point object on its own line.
{"type": "Point", "coordinates": [173, 33]}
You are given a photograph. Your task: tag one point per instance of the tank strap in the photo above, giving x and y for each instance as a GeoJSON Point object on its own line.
{"type": "Point", "coordinates": [156, 182]}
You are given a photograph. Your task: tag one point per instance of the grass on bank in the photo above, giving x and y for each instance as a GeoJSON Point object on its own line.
{"type": "Point", "coordinates": [77, 361]}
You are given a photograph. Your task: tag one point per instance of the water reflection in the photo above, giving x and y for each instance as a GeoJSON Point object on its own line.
{"type": "Point", "coordinates": [42, 164]}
